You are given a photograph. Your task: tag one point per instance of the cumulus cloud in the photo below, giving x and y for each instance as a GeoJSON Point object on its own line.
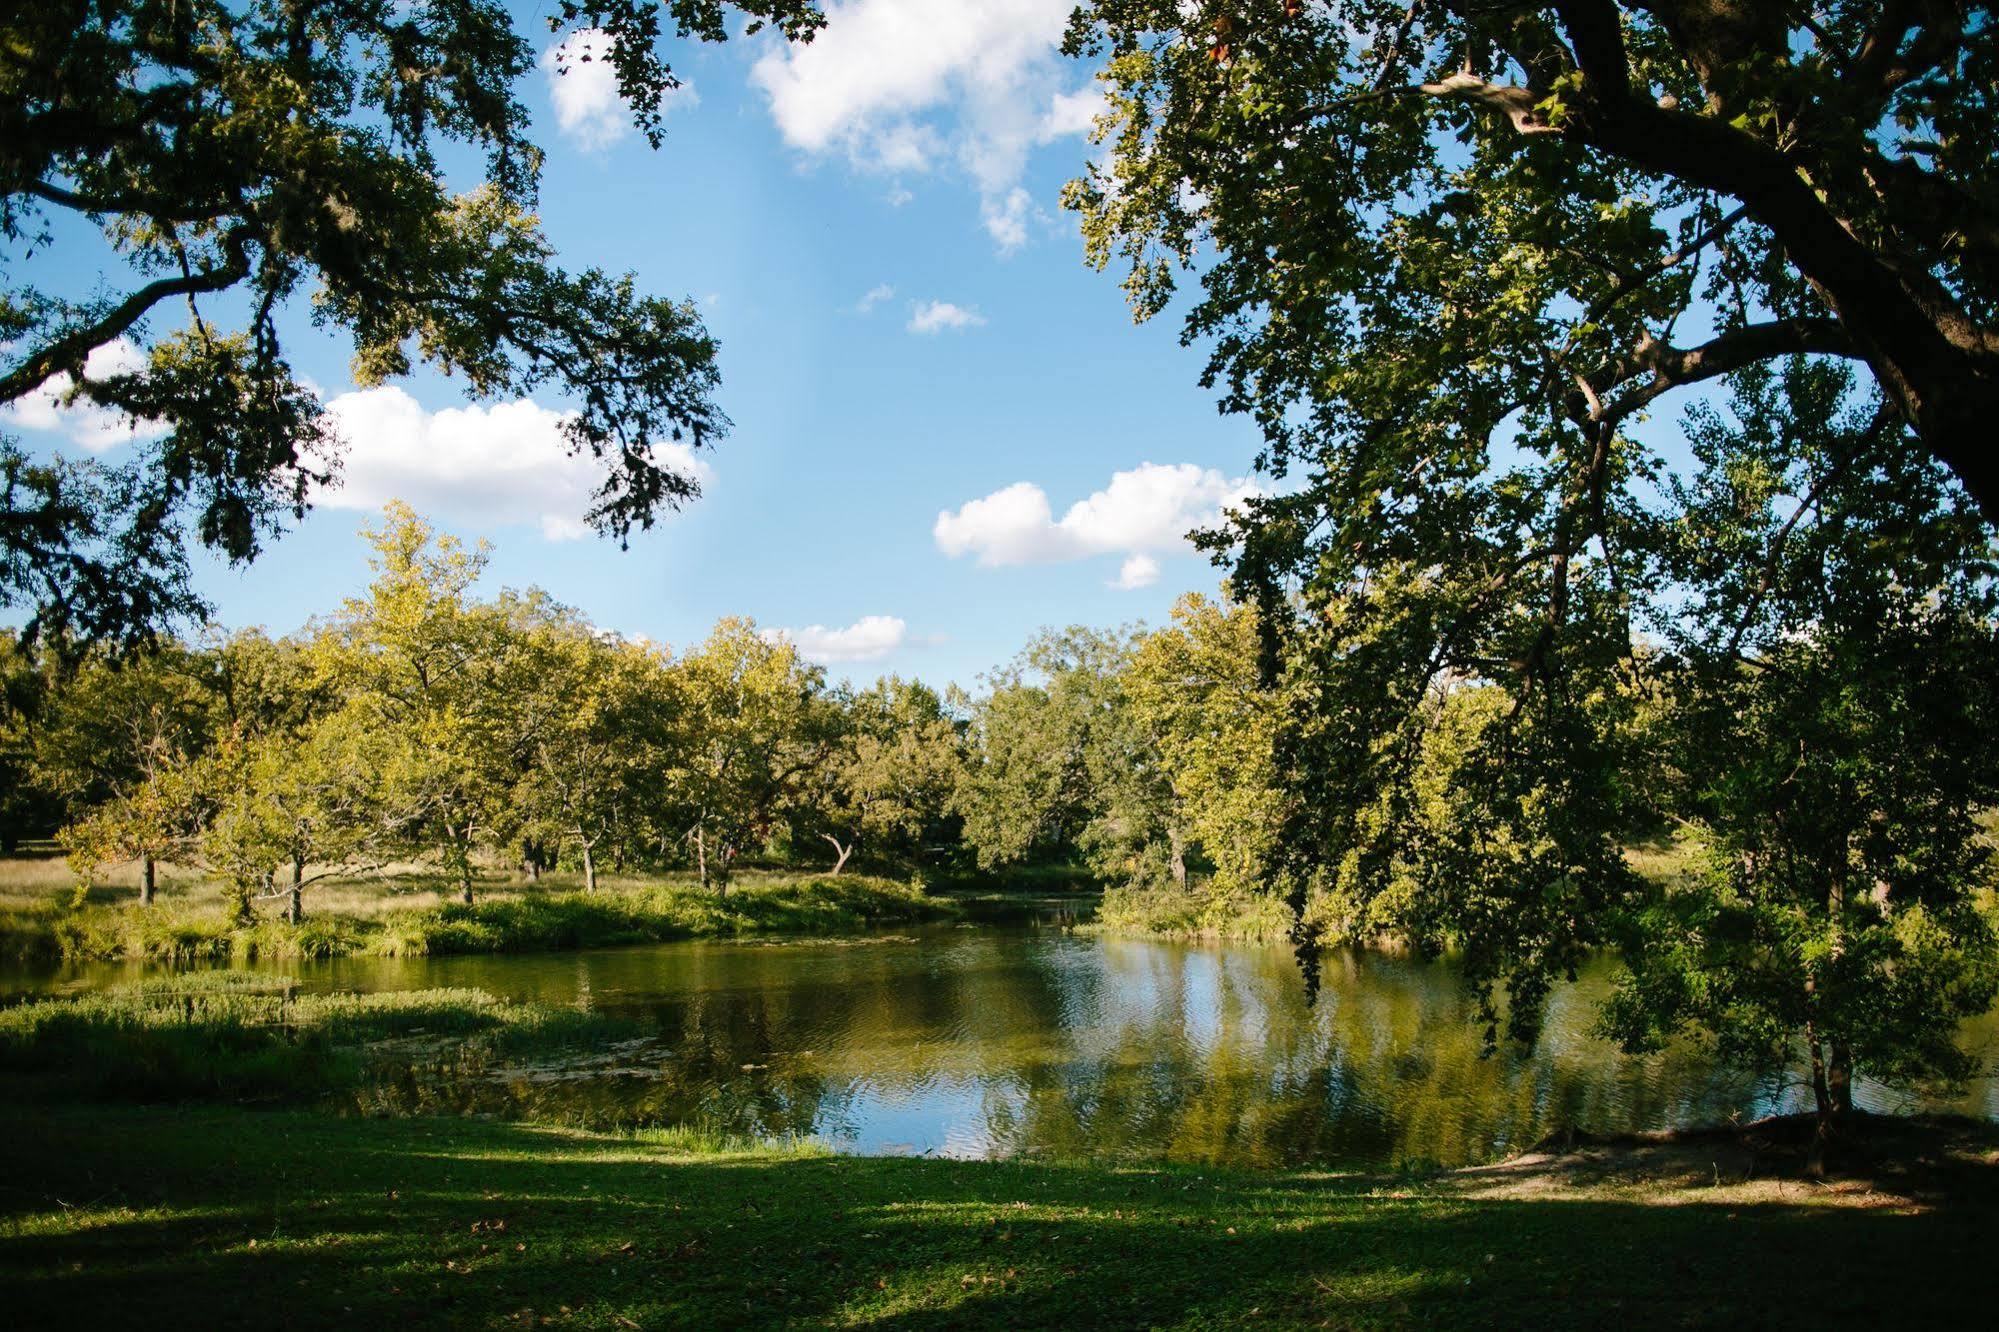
{"type": "Point", "coordinates": [1137, 571]}
{"type": "Point", "coordinates": [869, 638]}
{"type": "Point", "coordinates": [504, 464]}
{"type": "Point", "coordinates": [904, 85]}
{"type": "Point", "coordinates": [878, 293]}
{"type": "Point", "coordinates": [583, 85]}
{"type": "Point", "coordinates": [932, 317]}
{"type": "Point", "coordinates": [1142, 513]}
{"type": "Point", "coordinates": [83, 422]}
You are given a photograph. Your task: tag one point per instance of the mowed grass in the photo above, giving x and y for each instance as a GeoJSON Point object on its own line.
{"type": "Point", "coordinates": [408, 913]}
{"type": "Point", "coordinates": [238, 1218]}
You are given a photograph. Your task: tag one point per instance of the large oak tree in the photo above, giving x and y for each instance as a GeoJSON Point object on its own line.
{"type": "Point", "coordinates": [239, 155]}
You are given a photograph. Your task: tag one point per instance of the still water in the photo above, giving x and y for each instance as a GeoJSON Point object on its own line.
{"type": "Point", "coordinates": [1005, 1041]}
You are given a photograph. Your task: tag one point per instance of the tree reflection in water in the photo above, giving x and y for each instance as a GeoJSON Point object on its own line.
{"type": "Point", "coordinates": [978, 1042]}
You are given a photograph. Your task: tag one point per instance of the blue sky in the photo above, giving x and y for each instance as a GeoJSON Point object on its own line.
{"type": "Point", "coordinates": [915, 152]}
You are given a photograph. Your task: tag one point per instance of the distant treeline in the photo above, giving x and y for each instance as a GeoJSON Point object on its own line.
{"type": "Point", "coordinates": [419, 725]}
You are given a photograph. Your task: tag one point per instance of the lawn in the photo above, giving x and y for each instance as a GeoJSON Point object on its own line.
{"type": "Point", "coordinates": [237, 1218]}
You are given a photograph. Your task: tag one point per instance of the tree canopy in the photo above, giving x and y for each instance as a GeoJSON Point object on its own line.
{"type": "Point", "coordinates": [237, 156]}
{"type": "Point", "coordinates": [1449, 258]}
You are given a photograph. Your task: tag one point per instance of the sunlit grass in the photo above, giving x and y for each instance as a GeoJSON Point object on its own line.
{"type": "Point", "coordinates": [404, 912]}
{"type": "Point", "coordinates": [450, 1223]}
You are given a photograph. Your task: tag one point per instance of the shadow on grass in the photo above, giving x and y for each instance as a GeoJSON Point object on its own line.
{"type": "Point", "coordinates": [234, 1218]}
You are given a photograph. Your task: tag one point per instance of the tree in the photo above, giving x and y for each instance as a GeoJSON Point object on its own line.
{"type": "Point", "coordinates": [889, 780]}
{"type": "Point", "coordinates": [1195, 687]}
{"type": "Point", "coordinates": [418, 664]}
{"type": "Point", "coordinates": [590, 720]}
{"type": "Point", "coordinates": [117, 745]}
{"type": "Point", "coordinates": [1060, 762]}
{"type": "Point", "coordinates": [28, 808]}
{"type": "Point", "coordinates": [757, 729]}
{"type": "Point", "coordinates": [1449, 255]}
{"type": "Point", "coordinates": [1829, 719]}
{"type": "Point", "coordinates": [1432, 223]}
{"type": "Point", "coordinates": [234, 154]}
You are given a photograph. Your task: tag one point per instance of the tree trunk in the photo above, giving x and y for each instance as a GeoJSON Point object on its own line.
{"type": "Point", "coordinates": [589, 870]}
{"type": "Point", "coordinates": [1839, 1083]}
{"type": "Point", "coordinates": [1831, 1095]}
{"type": "Point", "coordinates": [148, 883]}
{"type": "Point", "coordinates": [701, 855]}
{"type": "Point", "coordinates": [295, 907]}
{"type": "Point", "coordinates": [842, 851]}
{"type": "Point", "coordinates": [1179, 858]}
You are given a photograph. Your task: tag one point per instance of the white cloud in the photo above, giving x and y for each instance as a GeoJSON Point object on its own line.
{"type": "Point", "coordinates": [509, 463]}
{"type": "Point", "coordinates": [1142, 513]}
{"type": "Point", "coordinates": [1006, 219]}
{"type": "Point", "coordinates": [898, 85]}
{"type": "Point", "coordinates": [869, 638]}
{"type": "Point", "coordinates": [931, 317]}
{"type": "Point", "coordinates": [878, 293]}
{"type": "Point", "coordinates": [1072, 113]}
{"type": "Point", "coordinates": [898, 196]}
{"type": "Point", "coordinates": [82, 421]}
{"type": "Point", "coordinates": [1137, 571]}
{"type": "Point", "coordinates": [583, 85]}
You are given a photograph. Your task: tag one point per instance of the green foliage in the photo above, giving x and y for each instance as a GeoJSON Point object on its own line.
{"type": "Point", "coordinates": [242, 157]}
{"type": "Point", "coordinates": [1828, 726]}
{"type": "Point", "coordinates": [887, 785]}
{"type": "Point", "coordinates": [758, 728]}
{"type": "Point", "coordinates": [1448, 256]}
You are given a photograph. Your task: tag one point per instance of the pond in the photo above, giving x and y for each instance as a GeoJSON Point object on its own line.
{"type": "Point", "coordinates": [984, 1041]}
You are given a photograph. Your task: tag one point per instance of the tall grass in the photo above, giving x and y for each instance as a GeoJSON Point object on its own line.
{"type": "Point", "coordinates": [236, 1035]}
{"type": "Point", "coordinates": [193, 924]}
{"type": "Point", "coordinates": [1173, 914]}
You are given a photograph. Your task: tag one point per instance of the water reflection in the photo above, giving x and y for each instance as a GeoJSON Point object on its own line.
{"type": "Point", "coordinates": [991, 1041]}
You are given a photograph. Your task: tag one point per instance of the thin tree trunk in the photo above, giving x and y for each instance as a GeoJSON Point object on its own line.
{"type": "Point", "coordinates": [1179, 858]}
{"type": "Point", "coordinates": [589, 870]}
{"type": "Point", "coordinates": [701, 854]}
{"type": "Point", "coordinates": [465, 871]}
{"type": "Point", "coordinates": [843, 851]}
{"type": "Point", "coordinates": [295, 907]}
{"type": "Point", "coordinates": [1822, 1101]}
{"type": "Point", "coordinates": [148, 882]}
{"type": "Point", "coordinates": [1839, 1082]}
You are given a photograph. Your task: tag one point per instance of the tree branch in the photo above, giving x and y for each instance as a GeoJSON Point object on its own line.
{"type": "Point", "coordinates": [67, 352]}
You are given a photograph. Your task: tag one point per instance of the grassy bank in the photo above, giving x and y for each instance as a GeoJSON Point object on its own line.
{"type": "Point", "coordinates": [223, 1217]}
{"type": "Point", "coordinates": [238, 1036]}
{"type": "Point", "coordinates": [1167, 914]}
{"type": "Point", "coordinates": [411, 917]}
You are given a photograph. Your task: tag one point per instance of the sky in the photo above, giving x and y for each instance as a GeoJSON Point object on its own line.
{"type": "Point", "coordinates": [948, 432]}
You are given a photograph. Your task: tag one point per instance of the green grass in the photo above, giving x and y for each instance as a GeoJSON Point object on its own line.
{"type": "Point", "coordinates": [237, 1036]}
{"type": "Point", "coordinates": [192, 922]}
{"type": "Point", "coordinates": [227, 1217]}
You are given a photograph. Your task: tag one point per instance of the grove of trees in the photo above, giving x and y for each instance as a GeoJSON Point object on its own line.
{"type": "Point", "coordinates": [420, 726]}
